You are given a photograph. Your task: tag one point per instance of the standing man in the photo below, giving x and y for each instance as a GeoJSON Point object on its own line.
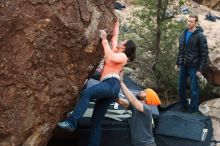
{"type": "Point", "coordinates": [191, 62]}
{"type": "Point", "coordinates": [141, 120]}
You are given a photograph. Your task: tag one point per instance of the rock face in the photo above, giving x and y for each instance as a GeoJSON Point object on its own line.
{"type": "Point", "coordinates": [213, 4]}
{"type": "Point", "coordinates": [214, 72]}
{"type": "Point", "coordinates": [47, 50]}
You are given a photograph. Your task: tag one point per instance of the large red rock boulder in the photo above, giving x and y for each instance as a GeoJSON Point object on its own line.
{"type": "Point", "coordinates": [47, 50]}
{"type": "Point", "coordinates": [214, 72]}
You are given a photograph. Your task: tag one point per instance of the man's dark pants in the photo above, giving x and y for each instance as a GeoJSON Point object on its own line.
{"type": "Point", "coordinates": [184, 73]}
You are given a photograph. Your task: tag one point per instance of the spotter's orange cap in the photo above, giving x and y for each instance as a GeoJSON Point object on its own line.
{"type": "Point", "coordinates": [152, 98]}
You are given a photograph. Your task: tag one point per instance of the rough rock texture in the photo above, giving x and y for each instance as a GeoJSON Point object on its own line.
{"type": "Point", "coordinates": [212, 108]}
{"type": "Point", "coordinates": [213, 4]}
{"type": "Point", "coordinates": [214, 73]}
{"type": "Point", "coordinates": [47, 50]}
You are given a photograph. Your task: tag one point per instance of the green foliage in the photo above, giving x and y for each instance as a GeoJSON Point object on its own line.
{"type": "Point", "coordinates": [155, 62]}
{"type": "Point", "coordinates": [181, 2]}
{"type": "Point", "coordinates": [207, 92]}
{"type": "Point", "coordinates": [139, 2]}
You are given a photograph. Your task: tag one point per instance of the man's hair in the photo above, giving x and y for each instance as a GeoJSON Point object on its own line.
{"type": "Point", "coordinates": [140, 97]}
{"type": "Point", "coordinates": [130, 50]}
{"type": "Point", "coordinates": [194, 16]}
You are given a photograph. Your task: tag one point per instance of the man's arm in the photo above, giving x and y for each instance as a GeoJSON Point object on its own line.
{"type": "Point", "coordinates": [132, 99]}
{"type": "Point", "coordinates": [180, 55]}
{"type": "Point", "coordinates": [204, 53]}
{"type": "Point", "coordinates": [123, 102]}
{"type": "Point", "coordinates": [109, 54]}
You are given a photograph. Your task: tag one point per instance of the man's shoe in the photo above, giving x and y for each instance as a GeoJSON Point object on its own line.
{"type": "Point", "coordinates": [66, 125]}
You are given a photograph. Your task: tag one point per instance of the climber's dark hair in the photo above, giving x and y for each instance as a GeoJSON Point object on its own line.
{"type": "Point", "coordinates": [130, 50]}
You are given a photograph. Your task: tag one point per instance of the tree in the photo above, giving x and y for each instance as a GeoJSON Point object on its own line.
{"type": "Point", "coordinates": [156, 33]}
